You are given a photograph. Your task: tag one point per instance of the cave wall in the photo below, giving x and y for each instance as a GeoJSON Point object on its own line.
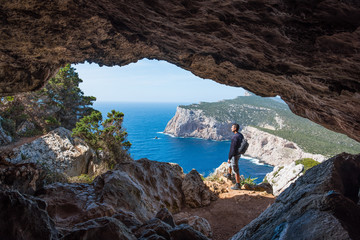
{"type": "Point", "coordinates": [307, 52]}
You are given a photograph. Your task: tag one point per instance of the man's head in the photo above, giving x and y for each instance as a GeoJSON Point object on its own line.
{"type": "Point", "coordinates": [235, 127]}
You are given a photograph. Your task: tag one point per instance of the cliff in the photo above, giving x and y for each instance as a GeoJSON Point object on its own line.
{"type": "Point", "coordinates": [194, 123]}
{"type": "Point", "coordinates": [268, 148]}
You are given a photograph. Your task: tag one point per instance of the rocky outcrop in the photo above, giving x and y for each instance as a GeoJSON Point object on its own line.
{"type": "Point", "coordinates": [321, 204]}
{"type": "Point", "coordinates": [302, 52]}
{"type": "Point", "coordinates": [134, 201]}
{"type": "Point", "coordinates": [198, 223]}
{"type": "Point", "coordinates": [27, 218]}
{"type": "Point", "coordinates": [282, 177]}
{"type": "Point", "coordinates": [141, 187]}
{"type": "Point", "coordinates": [24, 217]}
{"type": "Point", "coordinates": [57, 152]}
{"type": "Point", "coordinates": [196, 192]}
{"type": "Point", "coordinates": [194, 123]}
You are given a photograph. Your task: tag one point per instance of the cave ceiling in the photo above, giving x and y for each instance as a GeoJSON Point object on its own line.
{"type": "Point", "coordinates": [307, 52]}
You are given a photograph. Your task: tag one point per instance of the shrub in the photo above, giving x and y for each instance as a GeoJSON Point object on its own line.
{"type": "Point", "coordinates": [106, 136]}
{"type": "Point", "coordinates": [307, 163]}
{"type": "Point", "coordinates": [249, 180]}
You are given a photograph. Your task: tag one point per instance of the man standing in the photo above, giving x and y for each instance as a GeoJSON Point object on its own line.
{"type": "Point", "coordinates": [234, 156]}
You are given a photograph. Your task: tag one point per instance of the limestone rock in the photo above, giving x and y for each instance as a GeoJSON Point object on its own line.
{"type": "Point", "coordinates": [24, 217]}
{"type": "Point", "coordinates": [321, 204]}
{"type": "Point", "coordinates": [274, 150]}
{"type": "Point", "coordinates": [196, 192]}
{"type": "Point", "coordinates": [57, 152]}
{"type": "Point", "coordinates": [141, 187]}
{"type": "Point", "coordinates": [193, 123]}
{"type": "Point", "coordinates": [198, 223]}
{"type": "Point", "coordinates": [281, 177]}
{"type": "Point", "coordinates": [162, 182]}
{"type": "Point", "coordinates": [26, 178]}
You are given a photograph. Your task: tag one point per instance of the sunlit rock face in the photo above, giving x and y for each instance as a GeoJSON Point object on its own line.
{"type": "Point", "coordinates": [308, 52]}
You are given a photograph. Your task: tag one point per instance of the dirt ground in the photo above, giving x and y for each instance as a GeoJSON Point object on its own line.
{"type": "Point", "coordinates": [231, 212]}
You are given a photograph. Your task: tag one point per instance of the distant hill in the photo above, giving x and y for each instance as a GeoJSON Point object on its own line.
{"type": "Point", "coordinates": [272, 115]}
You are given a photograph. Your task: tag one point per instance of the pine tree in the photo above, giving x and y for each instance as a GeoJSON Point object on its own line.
{"type": "Point", "coordinates": [105, 136]}
{"type": "Point", "coordinates": [59, 103]}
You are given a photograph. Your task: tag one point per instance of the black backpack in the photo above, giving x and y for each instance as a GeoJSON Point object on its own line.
{"type": "Point", "coordinates": [243, 146]}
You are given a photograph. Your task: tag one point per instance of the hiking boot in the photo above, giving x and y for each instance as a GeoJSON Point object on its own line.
{"type": "Point", "coordinates": [236, 186]}
{"type": "Point", "coordinates": [227, 175]}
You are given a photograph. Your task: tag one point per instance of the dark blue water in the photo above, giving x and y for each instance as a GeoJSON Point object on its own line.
{"type": "Point", "coordinates": [146, 121]}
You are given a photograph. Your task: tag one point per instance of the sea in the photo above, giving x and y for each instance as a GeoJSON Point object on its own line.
{"type": "Point", "coordinates": [145, 123]}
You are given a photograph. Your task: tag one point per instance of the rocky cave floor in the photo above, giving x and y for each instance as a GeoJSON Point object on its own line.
{"type": "Point", "coordinates": [231, 211]}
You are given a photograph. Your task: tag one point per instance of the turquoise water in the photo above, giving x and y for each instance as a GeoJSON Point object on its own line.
{"type": "Point", "coordinates": [145, 122]}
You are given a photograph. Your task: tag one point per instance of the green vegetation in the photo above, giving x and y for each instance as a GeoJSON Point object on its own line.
{"type": "Point", "coordinates": [274, 116]}
{"type": "Point", "coordinates": [249, 180]}
{"type": "Point", "coordinates": [105, 136]}
{"type": "Point", "coordinates": [59, 103]}
{"type": "Point", "coordinates": [277, 172]}
{"type": "Point", "coordinates": [307, 163]}
{"type": "Point", "coordinates": [83, 178]}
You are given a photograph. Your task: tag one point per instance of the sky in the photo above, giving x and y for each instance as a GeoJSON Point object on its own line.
{"type": "Point", "coordinates": [150, 81]}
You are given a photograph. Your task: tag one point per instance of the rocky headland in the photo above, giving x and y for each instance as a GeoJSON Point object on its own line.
{"type": "Point", "coordinates": [270, 149]}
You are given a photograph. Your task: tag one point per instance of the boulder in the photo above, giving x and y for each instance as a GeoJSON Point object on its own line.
{"type": "Point", "coordinates": [165, 216]}
{"type": "Point", "coordinates": [198, 223]}
{"type": "Point", "coordinates": [71, 204]}
{"type": "Point", "coordinates": [158, 229]}
{"type": "Point", "coordinates": [56, 152]}
{"type": "Point", "coordinates": [141, 188]}
{"type": "Point", "coordinates": [154, 227]}
{"type": "Point", "coordinates": [100, 228]}
{"type": "Point", "coordinates": [321, 204]}
{"type": "Point", "coordinates": [127, 218]}
{"type": "Point", "coordinates": [282, 176]}
{"type": "Point", "coordinates": [160, 181]}
{"type": "Point", "coordinates": [184, 231]}
{"type": "Point", "coordinates": [197, 194]}
{"type": "Point", "coordinates": [24, 218]}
